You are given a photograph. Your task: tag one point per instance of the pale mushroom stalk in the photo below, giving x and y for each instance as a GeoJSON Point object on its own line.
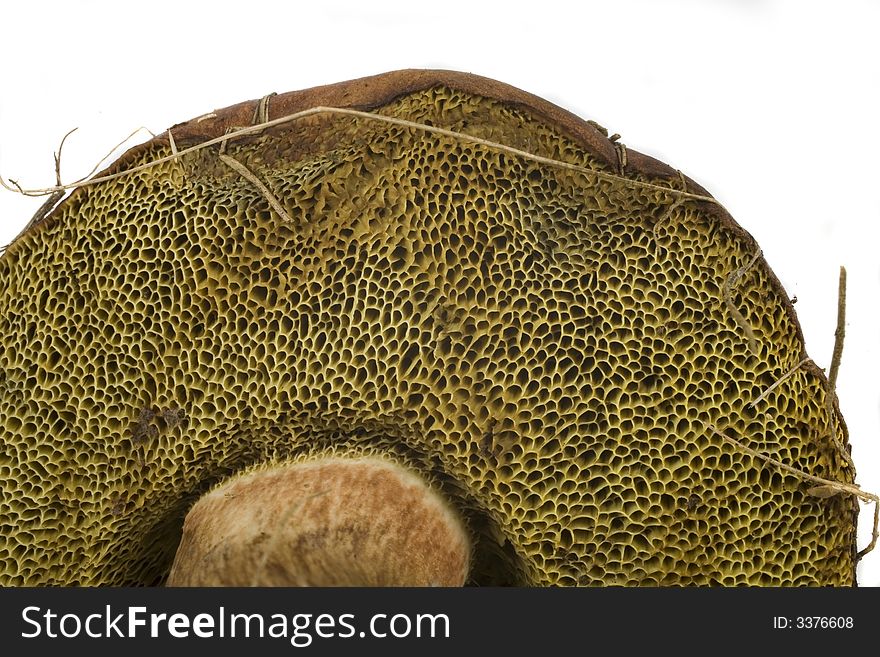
{"type": "Point", "coordinates": [328, 522]}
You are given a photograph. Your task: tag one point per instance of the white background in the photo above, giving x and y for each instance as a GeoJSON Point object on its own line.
{"type": "Point", "coordinates": [772, 106]}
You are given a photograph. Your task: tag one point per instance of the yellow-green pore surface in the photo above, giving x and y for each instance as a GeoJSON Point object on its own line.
{"type": "Point", "coordinates": [545, 346]}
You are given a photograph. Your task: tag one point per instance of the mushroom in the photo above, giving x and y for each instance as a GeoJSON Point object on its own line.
{"type": "Point", "coordinates": [419, 328]}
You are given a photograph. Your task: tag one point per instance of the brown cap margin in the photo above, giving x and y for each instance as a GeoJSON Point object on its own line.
{"type": "Point", "coordinates": [375, 91]}
{"type": "Point", "coordinates": [378, 90]}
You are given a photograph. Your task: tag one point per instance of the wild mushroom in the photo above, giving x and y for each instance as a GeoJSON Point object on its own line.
{"type": "Point", "coordinates": [421, 324]}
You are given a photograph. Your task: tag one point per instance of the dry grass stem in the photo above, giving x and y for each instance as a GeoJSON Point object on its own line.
{"type": "Point", "coordinates": [256, 182]}
{"type": "Point", "coordinates": [729, 285]}
{"type": "Point", "coordinates": [831, 389]}
{"type": "Point", "coordinates": [840, 332]}
{"type": "Point", "coordinates": [779, 382]}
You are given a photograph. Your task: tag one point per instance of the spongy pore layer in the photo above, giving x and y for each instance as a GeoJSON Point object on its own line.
{"type": "Point", "coordinates": [546, 346]}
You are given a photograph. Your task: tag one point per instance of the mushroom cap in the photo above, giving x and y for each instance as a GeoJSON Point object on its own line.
{"type": "Point", "coordinates": [544, 324]}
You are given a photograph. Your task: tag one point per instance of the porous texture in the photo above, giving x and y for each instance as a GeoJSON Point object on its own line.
{"type": "Point", "coordinates": [547, 346]}
{"type": "Point", "coordinates": [323, 522]}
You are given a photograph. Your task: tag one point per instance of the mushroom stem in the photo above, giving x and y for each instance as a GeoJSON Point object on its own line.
{"type": "Point", "coordinates": [330, 522]}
